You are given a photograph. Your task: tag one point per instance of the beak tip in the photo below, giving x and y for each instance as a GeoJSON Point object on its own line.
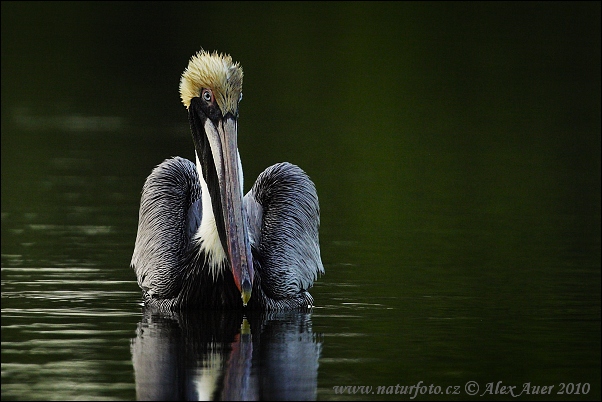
{"type": "Point", "coordinates": [245, 292]}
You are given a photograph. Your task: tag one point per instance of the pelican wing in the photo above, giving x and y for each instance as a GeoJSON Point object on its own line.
{"type": "Point", "coordinates": [170, 214]}
{"type": "Point", "coordinates": [284, 218]}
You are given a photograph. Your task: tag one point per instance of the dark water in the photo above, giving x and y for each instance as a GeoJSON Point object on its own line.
{"type": "Point", "coordinates": [456, 153]}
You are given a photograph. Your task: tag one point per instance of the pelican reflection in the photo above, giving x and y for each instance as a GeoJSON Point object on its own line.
{"type": "Point", "coordinates": [208, 355]}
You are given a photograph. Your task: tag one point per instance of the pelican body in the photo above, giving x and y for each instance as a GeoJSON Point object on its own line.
{"type": "Point", "coordinates": [200, 243]}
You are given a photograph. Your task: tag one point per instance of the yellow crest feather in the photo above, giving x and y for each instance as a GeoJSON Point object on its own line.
{"type": "Point", "coordinates": [216, 72]}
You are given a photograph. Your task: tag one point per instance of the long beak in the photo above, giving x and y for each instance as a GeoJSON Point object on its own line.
{"type": "Point", "coordinates": [234, 215]}
{"type": "Point", "coordinates": [215, 141]}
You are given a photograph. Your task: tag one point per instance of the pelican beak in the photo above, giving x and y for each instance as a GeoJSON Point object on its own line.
{"type": "Point", "coordinates": [235, 220]}
{"type": "Point", "coordinates": [215, 141]}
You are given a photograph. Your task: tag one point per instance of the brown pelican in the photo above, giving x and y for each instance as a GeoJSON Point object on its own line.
{"type": "Point", "coordinates": [200, 243]}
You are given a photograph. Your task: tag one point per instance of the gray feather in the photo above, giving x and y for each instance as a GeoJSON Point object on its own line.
{"type": "Point", "coordinates": [284, 219]}
{"type": "Point", "coordinates": [170, 214]}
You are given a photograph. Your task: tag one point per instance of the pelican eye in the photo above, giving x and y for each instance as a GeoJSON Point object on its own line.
{"type": "Point", "coordinates": [207, 96]}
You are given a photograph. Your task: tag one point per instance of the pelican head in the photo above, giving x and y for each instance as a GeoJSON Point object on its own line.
{"type": "Point", "coordinates": [211, 89]}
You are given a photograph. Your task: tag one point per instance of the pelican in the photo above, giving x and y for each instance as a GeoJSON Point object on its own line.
{"type": "Point", "coordinates": [200, 243]}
